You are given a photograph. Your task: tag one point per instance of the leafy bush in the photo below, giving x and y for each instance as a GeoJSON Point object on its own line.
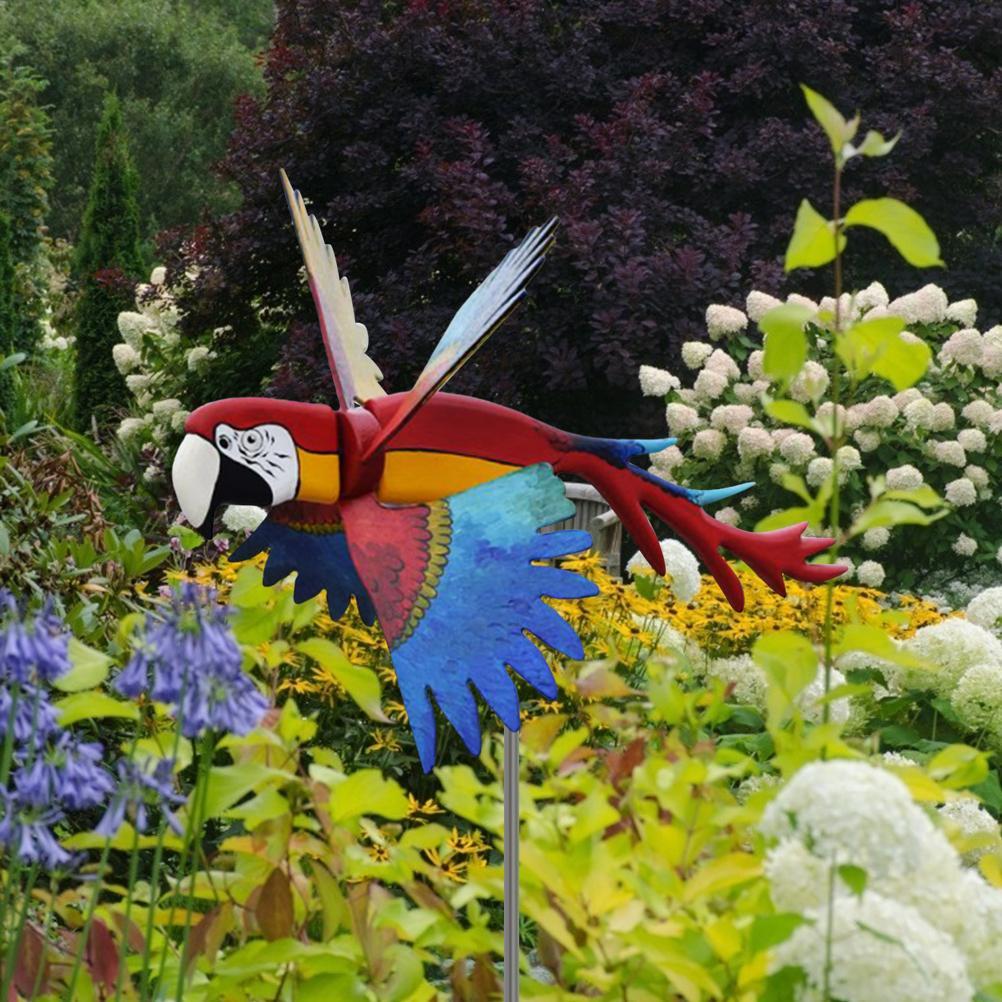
{"type": "Point", "coordinates": [108, 261]}
{"type": "Point", "coordinates": [943, 432]}
{"type": "Point", "coordinates": [430, 138]}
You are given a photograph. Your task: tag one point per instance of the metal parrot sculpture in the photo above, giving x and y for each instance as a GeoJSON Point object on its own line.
{"type": "Point", "coordinates": [426, 507]}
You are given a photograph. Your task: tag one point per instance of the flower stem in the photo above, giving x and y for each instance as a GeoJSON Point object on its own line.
{"type": "Point", "coordinates": [133, 871]}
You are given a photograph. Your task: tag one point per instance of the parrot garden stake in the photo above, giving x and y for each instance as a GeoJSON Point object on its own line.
{"type": "Point", "coordinates": [426, 507]}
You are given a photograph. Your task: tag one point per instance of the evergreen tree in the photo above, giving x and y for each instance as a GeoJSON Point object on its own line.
{"type": "Point", "coordinates": [108, 263]}
{"type": "Point", "coordinates": [8, 312]}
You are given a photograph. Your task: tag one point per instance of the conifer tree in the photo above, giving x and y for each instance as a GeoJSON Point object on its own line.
{"type": "Point", "coordinates": [8, 313]}
{"type": "Point", "coordinates": [108, 263]}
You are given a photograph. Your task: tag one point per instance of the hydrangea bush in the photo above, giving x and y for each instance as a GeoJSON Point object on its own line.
{"type": "Point", "coordinates": [943, 432]}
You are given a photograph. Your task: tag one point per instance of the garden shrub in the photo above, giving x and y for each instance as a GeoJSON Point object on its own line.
{"type": "Point", "coordinates": [108, 262]}
{"type": "Point", "coordinates": [429, 138]}
{"type": "Point", "coordinates": [943, 432]}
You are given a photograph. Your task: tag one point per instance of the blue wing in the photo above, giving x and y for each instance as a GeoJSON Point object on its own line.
{"type": "Point", "coordinates": [457, 620]}
{"type": "Point", "coordinates": [317, 551]}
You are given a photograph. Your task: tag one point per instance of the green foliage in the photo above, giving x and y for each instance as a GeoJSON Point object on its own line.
{"type": "Point", "coordinates": [8, 314]}
{"type": "Point", "coordinates": [177, 68]}
{"type": "Point", "coordinates": [108, 261]}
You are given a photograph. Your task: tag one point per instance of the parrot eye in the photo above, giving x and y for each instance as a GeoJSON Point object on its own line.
{"type": "Point", "coordinates": [251, 442]}
{"type": "Point", "coordinates": [224, 442]}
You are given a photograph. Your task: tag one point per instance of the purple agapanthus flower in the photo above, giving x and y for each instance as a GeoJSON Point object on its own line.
{"type": "Point", "coordinates": [141, 785]}
{"type": "Point", "coordinates": [68, 771]}
{"type": "Point", "coordinates": [26, 830]}
{"type": "Point", "coordinates": [32, 651]}
{"type": "Point", "coordinates": [191, 659]}
{"type": "Point", "coordinates": [34, 716]}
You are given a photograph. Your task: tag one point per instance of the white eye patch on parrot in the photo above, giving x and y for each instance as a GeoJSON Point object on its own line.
{"type": "Point", "coordinates": [268, 450]}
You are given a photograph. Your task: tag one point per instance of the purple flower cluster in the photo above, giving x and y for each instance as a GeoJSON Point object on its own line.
{"type": "Point", "coordinates": [140, 786]}
{"type": "Point", "coordinates": [191, 660]}
{"type": "Point", "coordinates": [50, 769]}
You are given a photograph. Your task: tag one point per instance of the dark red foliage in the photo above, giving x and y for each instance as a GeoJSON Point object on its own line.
{"type": "Point", "coordinates": [669, 136]}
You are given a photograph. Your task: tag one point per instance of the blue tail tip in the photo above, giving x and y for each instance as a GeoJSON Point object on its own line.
{"type": "Point", "coordinates": [703, 498]}
{"type": "Point", "coordinates": [652, 445]}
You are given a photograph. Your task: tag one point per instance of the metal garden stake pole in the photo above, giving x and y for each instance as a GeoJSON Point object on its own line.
{"type": "Point", "coordinates": [511, 953]}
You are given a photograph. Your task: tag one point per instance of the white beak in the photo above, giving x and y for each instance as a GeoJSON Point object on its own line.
{"type": "Point", "coordinates": [194, 473]}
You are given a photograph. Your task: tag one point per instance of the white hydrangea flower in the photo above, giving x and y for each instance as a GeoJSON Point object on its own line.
{"type": "Point", "coordinates": [855, 417]}
{"type": "Point", "coordinates": [878, 949]}
{"type": "Point", "coordinates": [749, 501]}
{"type": "Point", "coordinates": [799, 300]}
{"type": "Point", "coordinates": [754, 364]}
{"type": "Point", "coordinates": [961, 492]}
{"type": "Point", "coordinates": [828, 414]}
{"type": "Point", "coordinates": [138, 382]}
{"type": "Point", "coordinates": [991, 361]}
{"type": "Point", "coordinates": [998, 555]}
{"type": "Point", "coordinates": [993, 335]}
{"type": "Point", "coordinates": [779, 470]}
{"type": "Point", "coordinates": [867, 439]}
{"type": "Point", "coordinates": [972, 439]}
{"type": "Point", "coordinates": [151, 474]}
{"type": "Point", "coordinates": [797, 448]}
{"type": "Point", "coordinates": [639, 566]}
{"type": "Point", "coordinates": [746, 393]}
{"type": "Point", "coordinates": [977, 475]}
{"type": "Point", "coordinates": [721, 362]}
{"type": "Point", "coordinates": [995, 422]}
{"type": "Point", "coordinates": [985, 609]}
{"type": "Point", "coordinates": [723, 321]}
{"type": "Point", "coordinates": [657, 382]}
{"type": "Point", "coordinates": [810, 383]}
{"type": "Point", "coordinates": [243, 517]}
{"type": "Point", "coordinates": [963, 347]}
{"type": "Point", "coordinates": [926, 306]}
{"type": "Point", "coordinates": [880, 412]}
{"type": "Point", "coordinates": [758, 304]}
{"type": "Point", "coordinates": [798, 879]}
{"type": "Point", "coordinates": [177, 420]}
{"type": "Point", "coordinates": [754, 443]}
{"type": "Point", "coordinates": [819, 470]}
{"type": "Point", "coordinates": [682, 570]}
{"type": "Point", "coordinates": [126, 357]}
{"type": "Point", "coordinates": [904, 478]}
{"type": "Point", "coordinates": [163, 408]}
{"type": "Point", "coordinates": [952, 646]}
{"type": "Point", "coordinates": [729, 516]}
{"type": "Point", "coordinates": [667, 459]}
{"type": "Point", "coordinates": [129, 428]}
{"type": "Point", "coordinates": [870, 574]}
{"type": "Point", "coordinates": [682, 418]}
{"type": "Point", "coordinates": [708, 443]}
{"type": "Point", "coordinates": [131, 326]}
{"type": "Point", "coordinates": [849, 458]}
{"type": "Point", "coordinates": [845, 307]}
{"type": "Point", "coordinates": [963, 312]}
{"type": "Point", "coordinates": [978, 412]}
{"type": "Point", "coordinates": [709, 385]}
{"type": "Point", "coordinates": [876, 538]}
{"type": "Point", "coordinates": [198, 357]}
{"type": "Point", "coordinates": [809, 699]}
{"type": "Point", "coordinates": [687, 395]}
{"type": "Point", "coordinates": [978, 927]}
{"type": "Point", "coordinates": [918, 414]}
{"type": "Point", "coordinates": [158, 276]}
{"type": "Point", "coordinates": [731, 417]}
{"type": "Point", "coordinates": [695, 353]}
{"type": "Point", "coordinates": [977, 697]}
{"type": "Point", "coordinates": [943, 417]}
{"type": "Point", "coordinates": [971, 820]}
{"type": "Point", "coordinates": [965, 546]}
{"type": "Point", "coordinates": [951, 453]}
{"type": "Point", "coordinates": [746, 680]}
{"type": "Point", "coordinates": [873, 295]}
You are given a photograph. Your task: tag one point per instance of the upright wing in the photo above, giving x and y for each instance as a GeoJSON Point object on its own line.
{"type": "Point", "coordinates": [356, 376]}
{"type": "Point", "coordinates": [456, 591]}
{"type": "Point", "coordinates": [308, 539]}
{"type": "Point", "coordinates": [487, 307]}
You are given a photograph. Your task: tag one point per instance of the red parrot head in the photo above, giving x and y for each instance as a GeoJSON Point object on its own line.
{"type": "Point", "coordinates": [255, 451]}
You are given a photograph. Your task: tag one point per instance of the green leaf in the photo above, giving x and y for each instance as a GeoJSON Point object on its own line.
{"type": "Point", "coordinates": [229, 784]}
{"type": "Point", "coordinates": [190, 539]}
{"type": "Point", "coordinates": [862, 344]}
{"type": "Point", "coordinates": [785, 341]}
{"type": "Point", "coordinates": [592, 815]}
{"type": "Point", "coordinates": [873, 640]}
{"type": "Point", "coordinates": [790, 412]}
{"type": "Point", "coordinates": [907, 231]}
{"type": "Point", "coordinates": [854, 877]}
{"type": "Point", "coordinates": [366, 792]}
{"type": "Point", "coordinates": [790, 663]}
{"type": "Point", "coordinates": [9, 361]}
{"type": "Point", "coordinates": [93, 706]}
{"type": "Point", "coordinates": [874, 144]}
{"type": "Point", "coordinates": [958, 766]}
{"type": "Point", "coordinates": [837, 129]}
{"type": "Point", "coordinates": [813, 241]}
{"type": "Point", "coordinates": [361, 683]}
{"type": "Point", "coordinates": [884, 511]}
{"type": "Point", "coordinates": [89, 668]}
{"type": "Point", "coordinates": [771, 930]}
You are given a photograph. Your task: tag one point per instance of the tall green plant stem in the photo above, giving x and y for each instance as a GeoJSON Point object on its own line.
{"type": "Point", "coordinates": [836, 437]}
